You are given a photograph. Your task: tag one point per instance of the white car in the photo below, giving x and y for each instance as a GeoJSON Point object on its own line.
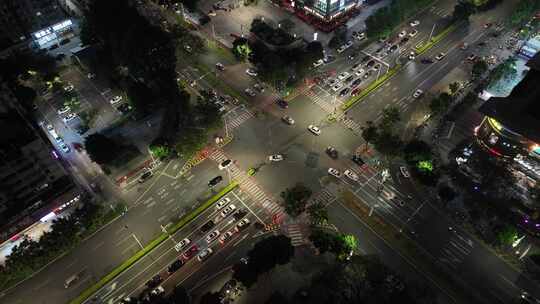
{"type": "Point", "coordinates": [241, 225]}
{"type": "Point", "coordinates": [225, 164]}
{"type": "Point", "coordinates": [212, 236]}
{"type": "Point", "coordinates": [338, 86]}
{"type": "Point", "coordinates": [252, 72]}
{"type": "Point", "coordinates": [70, 117]}
{"type": "Point", "coordinates": [388, 194]}
{"type": "Point", "coordinates": [250, 92]}
{"type": "Point", "coordinates": [402, 34]}
{"type": "Point", "coordinates": [222, 203]}
{"type": "Point", "coordinates": [440, 56]}
{"type": "Point", "coordinates": [158, 290]}
{"type": "Point", "coordinates": [228, 210]}
{"type": "Point", "coordinates": [341, 49]}
{"type": "Point", "coordinates": [204, 254]}
{"type": "Point", "coordinates": [91, 75]}
{"type": "Point", "coordinates": [49, 127]}
{"type": "Point", "coordinates": [64, 147]}
{"type": "Point", "coordinates": [350, 174]}
{"type": "Point", "coordinates": [63, 110]}
{"type": "Point", "coordinates": [275, 157]}
{"type": "Point", "coordinates": [349, 44]}
{"type": "Point", "coordinates": [318, 63]}
{"type": "Point", "coordinates": [361, 36]}
{"type": "Point", "coordinates": [314, 129]}
{"type": "Point", "coordinates": [359, 72]}
{"type": "Point", "coordinates": [417, 93]}
{"type": "Point", "coordinates": [288, 120]}
{"type": "Point", "coordinates": [68, 88]}
{"type": "Point", "coordinates": [334, 172]}
{"type": "Point", "coordinates": [404, 172]}
{"type": "Point", "coordinates": [343, 75]}
{"type": "Point", "coordinates": [414, 23]}
{"type": "Point", "coordinates": [116, 99]}
{"type": "Point", "coordinates": [182, 244]}
{"type": "Point", "coordinates": [413, 33]}
{"type": "Point", "coordinates": [412, 55]}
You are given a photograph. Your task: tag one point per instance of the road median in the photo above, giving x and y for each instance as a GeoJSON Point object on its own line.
{"type": "Point", "coordinates": [425, 47]}
{"type": "Point", "coordinates": [152, 245]}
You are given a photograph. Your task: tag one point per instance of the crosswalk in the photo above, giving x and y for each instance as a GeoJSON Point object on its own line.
{"type": "Point", "coordinates": [233, 123]}
{"type": "Point", "coordinates": [441, 12]}
{"type": "Point", "coordinates": [352, 125]}
{"type": "Point", "coordinates": [456, 250]}
{"type": "Point", "coordinates": [249, 186]}
{"type": "Point", "coordinates": [295, 233]}
{"type": "Point", "coordinates": [325, 197]}
{"type": "Point", "coordinates": [324, 103]}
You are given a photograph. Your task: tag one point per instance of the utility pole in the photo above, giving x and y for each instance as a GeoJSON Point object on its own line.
{"type": "Point", "coordinates": [431, 34]}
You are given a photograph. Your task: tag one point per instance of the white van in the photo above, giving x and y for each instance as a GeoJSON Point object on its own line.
{"type": "Point", "coordinates": [55, 136]}
{"type": "Point", "coordinates": [74, 278]}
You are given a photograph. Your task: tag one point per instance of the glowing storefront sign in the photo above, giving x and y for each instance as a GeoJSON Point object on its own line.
{"type": "Point", "coordinates": [495, 124]}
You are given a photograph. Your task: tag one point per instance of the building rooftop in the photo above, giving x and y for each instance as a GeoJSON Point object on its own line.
{"type": "Point", "coordinates": [520, 111]}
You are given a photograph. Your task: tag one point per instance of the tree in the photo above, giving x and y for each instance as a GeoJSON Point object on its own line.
{"type": "Point", "coordinates": [245, 274]}
{"type": "Point", "coordinates": [160, 151]}
{"type": "Point", "coordinates": [419, 157]}
{"type": "Point", "coordinates": [388, 144]}
{"type": "Point", "coordinates": [390, 116]}
{"type": "Point", "coordinates": [101, 148]}
{"type": "Point", "coordinates": [322, 240]}
{"type": "Point", "coordinates": [504, 71]}
{"type": "Point", "coordinates": [287, 25]}
{"type": "Point", "coordinates": [318, 213]}
{"type": "Point", "coordinates": [88, 33]}
{"type": "Point", "coordinates": [25, 95]}
{"type": "Point", "coordinates": [241, 48]}
{"type": "Point", "coordinates": [277, 298]}
{"type": "Point", "coordinates": [506, 235]}
{"type": "Point", "coordinates": [210, 298]}
{"type": "Point", "coordinates": [462, 11]}
{"type": "Point", "coordinates": [479, 68]}
{"type": "Point", "coordinates": [454, 87]}
{"type": "Point", "coordinates": [447, 193]}
{"type": "Point", "coordinates": [344, 245]}
{"type": "Point", "coordinates": [270, 252]}
{"type": "Point", "coordinates": [295, 199]}
{"type": "Point", "coordinates": [370, 133]}
{"type": "Point", "coordinates": [439, 105]}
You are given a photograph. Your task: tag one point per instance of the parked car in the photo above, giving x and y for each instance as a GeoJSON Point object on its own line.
{"type": "Point", "coordinates": [343, 75]}
{"type": "Point", "coordinates": [205, 254]}
{"type": "Point", "coordinates": [115, 99]}
{"type": "Point", "coordinates": [282, 103]}
{"type": "Point", "coordinates": [404, 171]}
{"type": "Point", "coordinates": [177, 264]}
{"type": "Point", "coordinates": [351, 175]}
{"type": "Point", "coordinates": [358, 160]}
{"type": "Point", "coordinates": [334, 172]}
{"type": "Point", "coordinates": [402, 34]}
{"type": "Point", "coordinates": [190, 252]}
{"type": "Point", "coordinates": [249, 92]}
{"type": "Point", "coordinates": [222, 203]}
{"type": "Point", "coordinates": [275, 157]}
{"type": "Point", "coordinates": [440, 56]}
{"type": "Point", "coordinates": [220, 66]}
{"type": "Point", "coordinates": [145, 176]}
{"type": "Point", "coordinates": [332, 152]}
{"type": "Point", "coordinates": [414, 23]}
{"type": "Point", "coordinates": [413, 33]}
{"type": "Point", "coordinates": [356, 91]}
{"type": "Point", "coordinates": [228, 210]}
{"type": "Point", "coordinates": [182, 244]}
{"type": "Point", "coordinates": [212, 236]}
{"type": "Point", "coordinates": [417, 93]}
{"type": "Point", "coordinates": [225, 237]}
{"type": "Point", "coordinates": [241, 225]}
{"type": "Point", "coordinates": [69, 117]}
{"type": "Point", "coordinates": [318, 63]}
{"type": "Point", "coordinates": [336, 87]}
{"type": "Point", "coordinates": [214, 181]}
{"type": "Point", "coordinates": [154, 281]}
{"type": "Point", "coordinates": [344, 92]}
{"type": "Point", "coordinates": [426, 61]}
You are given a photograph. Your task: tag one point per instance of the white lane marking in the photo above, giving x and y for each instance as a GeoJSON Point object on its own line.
{"type": "Point", "coordinates": [169, 201]}
{"type": "Point", "coordinates": [161, 218]}
{"type": "Point", "coordinates": [152, 204]}
{"type": "Point", "coordinates": [42, 284]}
{"type": "Point", "coordinates": [98, 245]}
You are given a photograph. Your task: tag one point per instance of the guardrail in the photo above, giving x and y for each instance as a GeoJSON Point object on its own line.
{"type": "Point", "coordinates": [151, 246]}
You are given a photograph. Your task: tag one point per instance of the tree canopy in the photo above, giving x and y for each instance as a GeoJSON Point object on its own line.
{"type": "Point", "coordinates": [295, 199]}
{"type": "Point", "coordinates": [101, 148]}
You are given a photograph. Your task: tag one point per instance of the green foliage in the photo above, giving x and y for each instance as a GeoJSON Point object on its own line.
{"type": "Point", "coordinates": [419, 157]}
{"type": "Point", "coordinates": [506, 235]}
{"type": "Point", "coordinates": [463, 10]}
{"type": "Point", "coordinates": [524, 11]}
{"type": "Point", "coordinates": [160, 151]}
{"type": "Point", "coordinates": [388, 144]}
{"type": "Point", "coordinates": [385, 19]}
{"type": "Point", "coordinates": [390, 116]}
{"type": "Point", "coordinates": [241, 49]}
{"type": "Point", "coordinates": [439, 105]}
{"type": "Point", "coordinates": [504, 71]}
{"type": "Point", "coordinates": [370, 133]}
{"type": "Point", "coordinates": [479, 68]}
{"type": "Point", "coordinates": [322, 240]}
{"type": "Point", "coordinates": [295, 199]}
{"type": "Point", "coordinates": [454, 87]}
{"type": "Point", "coordinates": [318, 213]}
{"type": "Point", "coordinates": [101, 149]}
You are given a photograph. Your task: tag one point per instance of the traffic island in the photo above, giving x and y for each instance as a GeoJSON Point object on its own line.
{"type": "Point", "coordinates": [152, 245]}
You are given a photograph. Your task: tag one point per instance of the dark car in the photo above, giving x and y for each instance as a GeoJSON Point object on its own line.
{"type": "Point", "coordinates": [192, 251]}
{"type": "Point", "coordinates": [154, 281]}
{"type": "Point", "coordinates": [214, 181]}
{"type": "Point", "coordinates": [282, 103]}
{"type": "Point", "coordinates": [349, 79]}
{"type": "Point", "coordinates": [175, 266]}
{"type": "Point", "coordinates": [365, 59]}
{"type": "Point", "coordinates": [145, 176]}
{"type": "Point", "coordinates": [207, 226]}
{"type": "Point", "coordinates": [124, 108]}
{"type": "Point", "coordinates": [393, 48]}
{"type": "Point", "coordinates": [403, 41]}
{"type": "Point", "coordinates": [332, 152]}
{"type": "Point", "coordinates": [344, 92]}
{"type": "Point", "coordinates": [356, 82]}
{"type": "Point", "coordinates": [426, 61]}
{"type": "Point", "coordinates": [65, 41]}
{"type": "Point", "coordinates": [239, 214]}
{"type": "Point", "coordinates": [358, 160]}
{"type": "Point", "coordinates": [356, 91]}
{"type": "Point", "coordinates": [370, 64]}
{"type": "Point", "coordinates": [60, 56]}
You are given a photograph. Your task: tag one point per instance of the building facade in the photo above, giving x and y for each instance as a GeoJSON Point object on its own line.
{"type": "Point", "coordinates": [327, 10]}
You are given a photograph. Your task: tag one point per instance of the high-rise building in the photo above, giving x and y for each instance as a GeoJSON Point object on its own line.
{"type": "Point", "coordinates": [20, 18]}
{"type": "Point", "coordinates": [32, 180]}
{"type": "Point", "coordinates": [327, 10]}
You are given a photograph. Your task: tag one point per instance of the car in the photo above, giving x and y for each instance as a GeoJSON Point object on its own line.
{"type": "Point", "coordinates": [351, 57]}
{"type": "Point", "coordinates": [471, 58]}
{"type": "Point", "coordinates": [214, 181]}
{"type": "Point", "coordinates": [365, 59]}
{"type": "Point", "coordinates": [190, 252]}
{"type": "Point", "coordinates": [332, 152]}
{"type": "Point", "coordinates": [359, 72]}
{"type": "Point", "coordinates": [239, 214]}
{"type": "Point", "coordinates": [282, 103]}
{"type": "Point", "coordinates": [358, 160]}
{"type": "Point", "coordinates": [228, 210]}
{"type": "Point", "coordinates": [212, 236]}
{"type": "Point", "coordinates": [356, 66]}
{"type": "Point", "coordinates": [154, 281]}
{"type": "Point", "coordinates": [414, 23]}
{"type": "Point", "coordinates": [334, 172]}
{"type": "Point", "coordinates": [177, 264]}
{"type": "Point", "coordinates": [225, 164]}
{"type": "Point", "coordinates": [91, 75]}
{"type": "Point", "coordinates": [349, 79]}
{"type": "Point", "coordinates": [63, 110]}
{"type": "Point", "coordinates": [207, 226]}
{"type": "Point", "coordinates": [158, 290]}
{"type": "Point", "coordinates": [528, 298]}
{"type": "Point", "coordinates": [69, 88]}
{"type": "Point", "coordinates": [356, 82]}
{"type": "Point", "coordinates": [182, 244]}
{"type": "Point", "coordinates": [241, 225]}
{"type": "Point", "coordinates": [258, 87]}
{"type": "Point", "coordinates": [220, 66]}
{"type": "Point", "coordinates": [49, 127]}
{"type": "Point", "coordinates": [402, 34]}
{"type": "Point", "coordinates": [341, 49]}
{"type": "Point", "coordinates": [393, 48]}
{"type": "Point", "coordinates": [314, 129]}
{"type": "Point", "coordinates": [344, 92]}
{"type": "Point", "coordinates": [205, 254]}
{"type": "Point", "coordinates": [463, 46]}
{"type": "Point", "coordinates": [332, 82]}
{"type": "Point", "coordinates": [251, 72]}
{"type": "Point", "coordinates": [275, 157]}
{"type": "Point", "coordinates": [389, 195]}
{"type": "Point", "coordinates": [336, 87]}
{"type": "Point", "coordinates": [361, 36]}
{"type": "Point", "coordinates": [377, 67]}
{"type": "Point", "coordinates": [318, 63]}
{"type": "Point", "coordinates": [329, 58]}
{"type": "Point", "coordinates": [145, 176]}
{"type": "Point", "coordinates": [116, 99]}
{"type": "Point", "coordinates": [64, 147]}
{"type": "Point", "coordinates": [440, 56]}
{"type": "Point", "coordinates": [349, 44]}
{"type": "Point", "coordinates": [356, 91]}
{"type": "Point", "coordinates": [367, 74]}
{"type": "Point", "coordinates": [343, 75]}
{"type": "Point", "coordinates": [412, 55]}
{"type": "Point", "coordinates": [417, 93]}
{"type": "Point", "coordinates": [69, 117]}
{"type": "Point", "coordinates": [488, 25]}
{"type": "Point", "coordinates": [404, 172]}
{"type": "Point", "coordinates": [426, 61]}
{"type": "Point", "coordinates": [225, 237]}
{"type": "Point", "coordinates": [350, 174]}
{"type": "Point", "coordinates": [370, 64]}
{"type": "Point", "coordinates": [222, 203]}
{"type": "Point", "coordinates": [288, 120]}
{"type": "Point", "coordinates": [124, 108]}
{"type": "Point", "coordinates": [413, 33]}
{"type": "Point", "coordinates": [249, 92]}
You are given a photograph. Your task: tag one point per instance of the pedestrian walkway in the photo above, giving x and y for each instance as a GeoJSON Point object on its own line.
{"type": "Point", "coordinates": [325, 197]}
{"type": "Point", "coordinates": [352, 125]}
{"type": "Point", "coordinates": [322, 102]}
{"type": "Point", "coordinates": [249, 186]}
{"type": "Point", "coordinates": [233, 123]}
{"type": "Point", "coordinates": [294, 231]}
